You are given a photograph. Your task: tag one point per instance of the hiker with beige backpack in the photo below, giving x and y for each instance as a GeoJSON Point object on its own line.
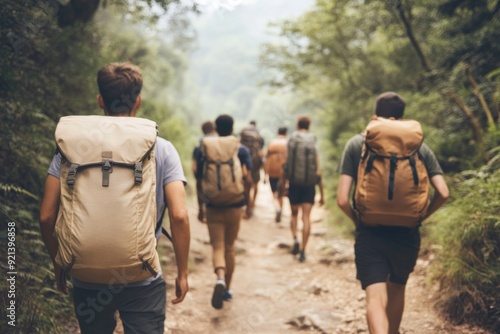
{"type": "Point", "coordinates": [390, 168]}
{"type": "Point", "coordinates": [108, 187]}
{"type": "Point", "coordinates": [223, 167]}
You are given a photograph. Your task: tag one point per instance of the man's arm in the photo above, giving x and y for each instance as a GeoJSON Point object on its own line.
{"type": "Point", "coordinates": [199, 194]}
{"type": "Point", "coordinates": [343, 191]}
{"type": "Point", "coordinates": [48, 216]}
{"type": "Point", "coordinates": [441, 194]}
{"type": "Point", "coordinates": [321, 192]}
{"type": "Point", "coordinates": [320, 179]}
{"type": "Point", "coordinates": [181, 235]}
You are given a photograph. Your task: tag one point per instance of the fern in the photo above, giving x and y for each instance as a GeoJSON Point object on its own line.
{"type": "Point", "coordinates": [8, 188]}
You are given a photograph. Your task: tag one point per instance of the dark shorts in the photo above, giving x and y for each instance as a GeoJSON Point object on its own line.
{"type": "Point", "coordinates": [255, 174]}
{"type": "Point", "coordinates": [301, 194]}
{"type": "Point", "coordinates": [383, 254]}
{"type": "Point", "coordinates": [142, 308]}
{"type": "Point", "coordinates": [273, 181]}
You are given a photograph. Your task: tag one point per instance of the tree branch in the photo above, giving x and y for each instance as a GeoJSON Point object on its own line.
{"type": "Point", "coordinates": [477, 130]}
{"type": "Point", "coordinates": [480, 96]}
{"type": "Point", "coordinates": [411, 36]}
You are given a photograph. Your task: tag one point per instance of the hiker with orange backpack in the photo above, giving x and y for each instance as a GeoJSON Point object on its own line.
{"type": "Point", "coordinates": [302, 173]}
{"type": "Point", "coordinates": [106, 192]}
{"type": "Point", "coordinates": [223, 169]}
{"type": "Point", "coordinates": [273, 167]}
{"type": "Point", "coordinates": [390, 168]}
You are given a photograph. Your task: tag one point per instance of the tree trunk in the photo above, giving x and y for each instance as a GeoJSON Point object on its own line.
{"type": "Point", "coordinates": [477, 129]}
{"type": "Point", "coordinates": [411, 37]}
{"type": "Point", "coordinates": [480, 96]}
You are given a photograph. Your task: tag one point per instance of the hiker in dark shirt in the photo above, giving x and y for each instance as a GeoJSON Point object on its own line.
{"type": "Point", "coordinates": [208, 129]}
{"type": "Point", "coordinates": [303, 174]}
{"type": "Point", "coordinates": [385, 256]}
{"type": "Point", "coordinates": [251, 138]}
{"type": "Point", "coordinates": [223, 190]}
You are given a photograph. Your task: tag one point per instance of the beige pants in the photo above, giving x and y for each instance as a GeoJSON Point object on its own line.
{"type": "Point", "coordinates": [223, 226]}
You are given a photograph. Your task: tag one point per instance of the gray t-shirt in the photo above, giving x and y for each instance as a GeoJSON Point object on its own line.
{"type": "Point", "coordinates": [168, 169]}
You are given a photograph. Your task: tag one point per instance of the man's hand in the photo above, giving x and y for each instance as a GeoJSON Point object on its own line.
{"type": "Point", "coordinates": [181, 289]}
{"type": "Point", "coordinates": [201, 215]}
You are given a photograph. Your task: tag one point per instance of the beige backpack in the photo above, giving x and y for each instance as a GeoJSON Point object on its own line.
{"type": "Point", "coordinates": [222, 181]}
{"type": "Point", "coordinates": [393, 186]}
{"type": "Point", "coordinates": [107, 216]}
{"type": "Point", "coordinates": [276, 157]}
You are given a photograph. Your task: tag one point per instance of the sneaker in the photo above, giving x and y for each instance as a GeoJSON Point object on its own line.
{"type": "Point", "coordinates": [218, 295]}
{"type": "Point", "coordinates": [278, 216]}
{"type": "Point", "coordinates": [228, 296]}
{"type": "Point", "coordinates": [302, 256]}
{"type": "Point", "coordinates": [295, 248]}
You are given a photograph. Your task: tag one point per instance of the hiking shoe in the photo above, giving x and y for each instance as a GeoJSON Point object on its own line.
{"type": "Point", "coordinates": [228, 296]}
{"type": "Point", "coordinates": [295, 248]}
{"type": "Point", "coordinates": [302, 256]}
{"type": "Point", "coordinates": [218, 295]}
{"type": "Point", "coordinates": [278, 216]}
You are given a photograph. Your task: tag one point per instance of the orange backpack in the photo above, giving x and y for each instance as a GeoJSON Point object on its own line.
{"type": "Point", "coordinates": [276, 157]}
{"type": "Point", "coordinates": [393, 186]}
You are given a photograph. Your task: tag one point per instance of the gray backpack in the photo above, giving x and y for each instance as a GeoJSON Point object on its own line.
{"type": "Point", "coordinates": [252, 139]}
{"type": "Point", "coordinates": [301, 161]}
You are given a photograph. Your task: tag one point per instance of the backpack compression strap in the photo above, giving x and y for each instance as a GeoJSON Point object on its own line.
{"type": "Point", "coordinates": [294, 157]}
{"type": "Point", "coordinates": [218, 165]}
{"type": "Point", "coordinates": [107, 167]}
{"type": "Point", "coordinates": [392, 169]}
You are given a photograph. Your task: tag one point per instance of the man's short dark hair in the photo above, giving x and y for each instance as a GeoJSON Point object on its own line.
{"type": "Point", "coordinates": [119, 85]}
{"type": "Point", "coordinates": [208, 127]}
{"type": "Point", "coordinates": [303, 122]}
{"type": "Point", "coordinates": [224, 125]}
{"type": "Point", "coordinates": [389, 104]}
{"type": "Point", "coordinates": [282, 130]}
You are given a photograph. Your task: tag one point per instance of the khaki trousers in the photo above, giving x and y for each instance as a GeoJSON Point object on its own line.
{"type": "Point", "coordinates": [223, 226]}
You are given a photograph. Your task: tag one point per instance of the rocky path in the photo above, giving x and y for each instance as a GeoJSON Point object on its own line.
{"type": "Point", "coordinates": [274, 293]}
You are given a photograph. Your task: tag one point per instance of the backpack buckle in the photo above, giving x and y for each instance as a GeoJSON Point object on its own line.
{"type": "Point", "coordinates": [107, 168]}
{"type": "Point", "coordinates": [73, 168]}
{"type": "Point", "coordinates": [138, 173]}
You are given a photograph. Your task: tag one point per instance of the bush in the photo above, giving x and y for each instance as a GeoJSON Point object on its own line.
{"type": "Point", "coordinates": [467, 264]}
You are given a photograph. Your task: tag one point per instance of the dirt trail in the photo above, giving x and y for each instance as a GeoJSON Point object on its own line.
{"type": "Point", "coordinates": [274, 293]}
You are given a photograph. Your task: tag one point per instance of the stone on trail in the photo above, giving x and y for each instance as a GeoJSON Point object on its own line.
{"type": "Point", "coordinates": [325, 322]}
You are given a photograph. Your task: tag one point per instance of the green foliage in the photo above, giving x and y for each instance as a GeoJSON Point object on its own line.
{"type": "Point", "coordinates": [376, 46]}
{"type": "Point", "coordinates": [443, 58]}
{"type": "Point", "coordinates": [47, 72]}
{"type": "Point", "coordinates": [39, 309]}
{"type": "Point", "coordinates": [468, 232]}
